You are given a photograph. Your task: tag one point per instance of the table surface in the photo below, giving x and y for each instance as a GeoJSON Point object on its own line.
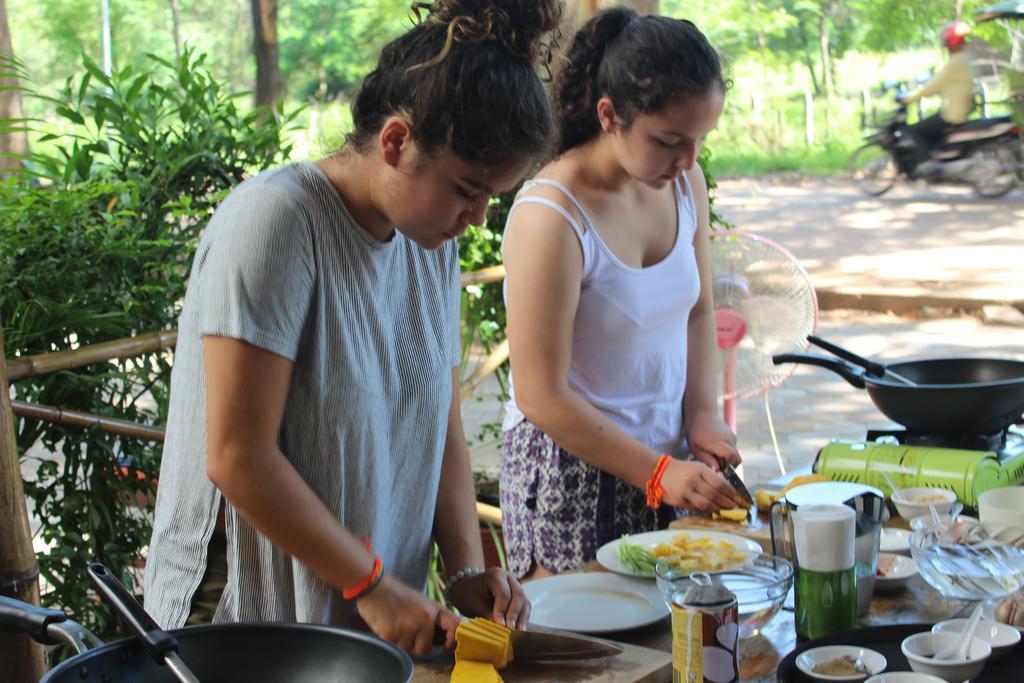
{"type": "Point", "coordinates": [760, 654]}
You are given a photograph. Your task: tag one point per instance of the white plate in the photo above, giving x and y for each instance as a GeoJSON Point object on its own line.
{"type": "Point", "coordinates": [594, 602]}
{"type": "Point", "coordinates": [895, 541]}
{"type": "Point", "coordinates": [899, 570]}
{"type": "Point", "coordinates": [873, 661]}
{"type": "Point", "coordinates": [608, 554]}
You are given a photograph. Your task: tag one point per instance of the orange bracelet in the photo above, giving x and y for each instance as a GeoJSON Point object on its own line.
{"type": "Point", "coordinates": [654, 489]}
{"type": "Point", "coordinates": [363, 587]}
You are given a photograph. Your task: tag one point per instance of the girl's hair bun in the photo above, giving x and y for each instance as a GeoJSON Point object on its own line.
{"type": "Point", "coordinates": [519, 25]}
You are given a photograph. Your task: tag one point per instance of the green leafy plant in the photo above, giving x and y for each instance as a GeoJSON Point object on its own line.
{"type": "Point", "coordinates": [96, 246]}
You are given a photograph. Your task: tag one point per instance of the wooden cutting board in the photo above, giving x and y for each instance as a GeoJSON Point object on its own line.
{"type": "Point", "coordinates": [757, 530]}
{"type": "Point", "coordinates": [634, 665]}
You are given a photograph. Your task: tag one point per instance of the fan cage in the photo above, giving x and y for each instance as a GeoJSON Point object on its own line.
{"type": "Point", "coordinates": [772, 291]}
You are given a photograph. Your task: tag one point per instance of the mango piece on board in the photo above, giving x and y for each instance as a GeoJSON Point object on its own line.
{"type": "Point", "coordinates": [734, 515]}
{"type": "Point", "coordinates": [764, 498]}
{"type": "Point", "coordinates": [503, 632]}
{"type": "Point", "coordinates": [477, 641]}
{"type": "Point", "coordinates": [467, 671]}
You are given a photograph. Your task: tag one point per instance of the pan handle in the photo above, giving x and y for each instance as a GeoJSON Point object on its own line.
{"type": "Point", "coordinates": [873, 368]}
{"type": "Point", "coordinates": [851, 373]}
{"type": "Point", "coordinates": [156, 641]}
{"type": "Point", "coordinates": [47, 626]}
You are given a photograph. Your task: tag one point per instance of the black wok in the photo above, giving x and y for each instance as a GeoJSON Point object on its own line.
{"type": "Point", "coordinates": [271, 652]}
{"type": "Point", "coordinates": [950, 396]}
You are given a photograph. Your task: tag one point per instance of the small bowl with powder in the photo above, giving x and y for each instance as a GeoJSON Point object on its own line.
{"type": "Point", "coordinates": [840, 663]}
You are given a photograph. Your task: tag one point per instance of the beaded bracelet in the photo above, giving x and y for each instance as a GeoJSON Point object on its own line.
{"type": "Point", "coordinates": [654, 488]}
{"type": "Point", "coordinates": [458, 576]}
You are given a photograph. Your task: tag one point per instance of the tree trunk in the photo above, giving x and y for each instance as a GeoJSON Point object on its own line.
{"type": "Point", "coordinates": [826, 54]}
{"type": "Point", "coordinates": [269, 85]}
{"type": "Point", "coordinates": [10, 104]}
{"type": "Point", "coordinates": [23, 659]}
{"type": "Point", "coordinates": [176, 25]}
{"type": "Point", "coordinates": [644, 6]}
{"type": "Point", "coordinates": [806, 56]}
{"type": "Point", "coordinates": [588, 8]}
{"type": "Point", "coordinates": [762, 40]}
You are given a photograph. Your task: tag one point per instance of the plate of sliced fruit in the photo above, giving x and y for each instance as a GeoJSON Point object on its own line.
{"type": "Point", "coordinates": [694, 551]}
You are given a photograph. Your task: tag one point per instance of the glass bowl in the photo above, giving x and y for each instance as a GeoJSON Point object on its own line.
{"type": "Point", "coordinates": [760, 584]}
{"type": "Point", "coordinates": [962, 561]}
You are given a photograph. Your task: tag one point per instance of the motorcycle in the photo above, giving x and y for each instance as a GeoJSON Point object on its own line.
{"type": "Point", "coordinates": [986, 154]}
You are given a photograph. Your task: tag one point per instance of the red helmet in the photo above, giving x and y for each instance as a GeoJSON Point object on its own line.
{"type": "Point", "coordinates": [953, 34]}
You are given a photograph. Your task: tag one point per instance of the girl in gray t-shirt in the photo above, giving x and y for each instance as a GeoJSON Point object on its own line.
{"type": "Point", "coordinates": [314, 396]}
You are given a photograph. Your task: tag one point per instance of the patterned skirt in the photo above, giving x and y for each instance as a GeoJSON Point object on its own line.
{"type": "Point", "coordinates": [557, 510]}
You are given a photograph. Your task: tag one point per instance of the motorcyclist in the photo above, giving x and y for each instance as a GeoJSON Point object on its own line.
{"type": "Point", "coordinates": [955, 84]}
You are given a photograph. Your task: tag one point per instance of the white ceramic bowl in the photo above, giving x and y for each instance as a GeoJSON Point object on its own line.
{"type": "Point", "coordinates": [1001, 637]}
{"type": "Point", "coordinates": [1003, 506]}
{"type": "Point", "coordinates": [919, 648]}
{"type": "Point", "coordinates": [874, 662]}
{"type": "Point", "coordinates": [905, 677]}
{"type": "Point", "coordinates": [922, 521]}
{"type": "Point", "coordinates": [894, 571]}
{"type": "Point", "coordinates": [914, 502]}
{"type": "Point", "coordinates": [894, 541]}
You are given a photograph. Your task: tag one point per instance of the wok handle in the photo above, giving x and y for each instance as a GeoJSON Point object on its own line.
{"type": "Point", "coordinates": [156, 641]}
{"type": "Point", "coordinates": [873, 368]}
{"type": "Point", "coordinates": [47, 626]}
{"type": "Point", "coordinates": [851, 373]}
{"type": "Point", "coordinates": [21, 617]}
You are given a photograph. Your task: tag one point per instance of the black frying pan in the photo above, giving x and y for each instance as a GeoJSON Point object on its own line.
{"type": "Point", "coordinates": [270, 652]}
{"type": "Point", "coordinates": [950, 396]}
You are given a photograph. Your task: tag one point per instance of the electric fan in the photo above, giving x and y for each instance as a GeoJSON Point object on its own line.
{"type": "Point", "coordinates": [764, 305]}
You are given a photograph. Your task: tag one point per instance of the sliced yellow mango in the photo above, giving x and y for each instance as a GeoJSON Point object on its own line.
{"type": "Point", "coordinates": [467, 671]}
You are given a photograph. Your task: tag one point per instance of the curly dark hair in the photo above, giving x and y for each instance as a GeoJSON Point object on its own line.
{"type": "Point", "coordinates": [465, 76]}
{"type": "Point", "coordinates": [641, 63]}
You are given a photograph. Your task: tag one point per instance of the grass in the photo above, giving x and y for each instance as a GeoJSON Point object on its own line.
{"type": "Point", "coordinates": [819, 160]}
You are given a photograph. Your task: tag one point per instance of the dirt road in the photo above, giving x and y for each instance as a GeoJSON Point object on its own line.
{"type": "Point", "coordinates": [914, 241]}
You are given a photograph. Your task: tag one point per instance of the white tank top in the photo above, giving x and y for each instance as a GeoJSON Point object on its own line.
{"type": "Point", "coordinates": [629, 340]}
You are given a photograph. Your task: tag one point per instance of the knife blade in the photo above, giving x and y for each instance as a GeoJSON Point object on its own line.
{"type": "Point", "coordinates": [540, 643]}
{"type": "Point", "coordinates": [734, 480]}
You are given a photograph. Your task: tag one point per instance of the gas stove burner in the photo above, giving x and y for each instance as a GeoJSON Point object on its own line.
{"type": "Point", "coordinates": [1009, 441]}
{"type": "Point", "coordinates": [969, 442]}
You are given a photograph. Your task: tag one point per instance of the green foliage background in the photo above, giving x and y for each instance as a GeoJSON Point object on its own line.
{"type": "Point", "coordinates": [95, 245]}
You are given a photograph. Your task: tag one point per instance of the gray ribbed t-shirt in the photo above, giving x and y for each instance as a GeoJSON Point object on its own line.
{"type": "Point", "coordinates": [372, 330]}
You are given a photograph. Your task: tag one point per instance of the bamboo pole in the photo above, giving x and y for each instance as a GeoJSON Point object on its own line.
{"type": "Point", "coordinates": [483, 276]}
{"type": "Point", "coordinates": [78, 419]}
{"type": "Point", "coordinates": [47, 363]}
{"type": "Point", "coordinates": [23, 659]}
{"type": "Point", "coordinates": [44, 364]}
{"type": "Point", "coordinates": [488, 513]}
{"type": "Point", "coordinates": [498, 355]}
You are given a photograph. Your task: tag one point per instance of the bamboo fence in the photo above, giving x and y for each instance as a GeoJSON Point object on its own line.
{"type": "Point", "coordinates": [23, 659]}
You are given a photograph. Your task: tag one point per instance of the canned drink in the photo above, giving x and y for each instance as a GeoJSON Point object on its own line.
{"type": "Point", "coordinates": [705, 633]}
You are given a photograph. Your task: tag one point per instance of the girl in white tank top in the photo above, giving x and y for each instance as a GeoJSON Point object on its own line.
{"type": "Point", "coordinates": [610, 318]}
